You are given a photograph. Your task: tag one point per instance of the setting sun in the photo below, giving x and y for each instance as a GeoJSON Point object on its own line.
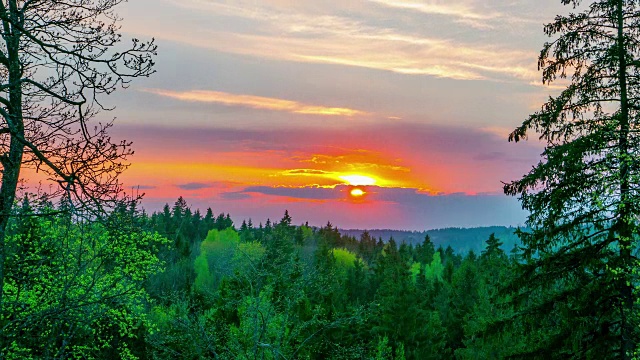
{"type": "Point", "coordinates": [357, 192]}
{"type": "Point", "coordinates": [358, 180]}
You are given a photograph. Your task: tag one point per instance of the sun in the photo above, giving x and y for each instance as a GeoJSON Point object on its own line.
{"type": "Point", "coordinates": [357, 192]}
{"type": "Point", "coordinates": [356, 180]}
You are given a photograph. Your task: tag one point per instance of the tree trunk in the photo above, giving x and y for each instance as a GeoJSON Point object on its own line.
{"type": "Point", "coordinates": [12, 161]}
{"type": "Point", "coordinates": [624, 228]}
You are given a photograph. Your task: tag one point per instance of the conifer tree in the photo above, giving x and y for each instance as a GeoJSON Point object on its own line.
{"type": "Point", "coordinates": [426, 250]}
{"type": "Point", "coordinates": [577, 274]}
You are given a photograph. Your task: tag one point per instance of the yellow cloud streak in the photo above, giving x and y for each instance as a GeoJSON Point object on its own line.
{"type": "Point", "coordinates": [340, 40]}
{"type": "Point", "coordinates": [400, 66]}
{"type": "Point", "coordinates": [351, 168]}
{"type": "Point", "coordinates": [341, 177]}
{"type": "Point", "coordinates": [438, 58]}
{"type": "Point", "coordinates": [455, 10]}
{"type": "Point", "coordinates": [255, 102]}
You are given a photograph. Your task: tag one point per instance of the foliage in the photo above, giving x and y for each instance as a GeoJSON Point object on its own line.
{"type": "Point", "coordinates": [254, 293]}
{"type": "Point", "coordinates": [60, 294]}
{"type": "Point", "coordinates": [75, 289]}
{"type": "Point", "coordinates": [345, 260]}
{"type": "Point", "coordinates": [435, 270]}
{"type": "Point", "coordinates": [96, 279]}
{"type": "Point", "coordinates": [576, 285]}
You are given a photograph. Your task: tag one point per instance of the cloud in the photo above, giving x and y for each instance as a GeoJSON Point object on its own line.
{"type": "Point", "coordinates": [405, 196]}
{"type": "Point", "coordinates": [194, 186]}
{"type": "Point", "coordinates": [255, 102]}
{"type": "Point", "coordinates": [235, 195]}
{"type": "Point", "coordinates": [398, 154]}
{"type": "Point", "coordinates": [476, 14]}
{"type": "Point", "coordinates": [456, 10]}
{"type": "Point", "coordinates": [309, 193]}
{"type": "Point", "coordinates": [143, 187]}
{"type": "Point", "coordinates": [388, 50]}
{"type": "Point", "coordinates": [306, 172]}
{"type": "Point", "coordinates": [405, 208]}
{"type": "Point", "coordinates": [326, 35]}
{"type": "Point", "coordinates": [224, 184]}
{"type": "Point", "coordinates": [338, 192]}
{"type": "Point", "coordinates": [494, 155]}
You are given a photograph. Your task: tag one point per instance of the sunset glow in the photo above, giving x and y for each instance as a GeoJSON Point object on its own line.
{"type": "Point", "coordinates": [261, 107]}
{"type": "Point", "coordinates": [358, 180]}
{"type": "Point", "coordinates": [357, 192]}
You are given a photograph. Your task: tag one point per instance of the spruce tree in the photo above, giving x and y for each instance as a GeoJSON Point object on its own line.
{"type": "Point", "coordinates": [576, 283]}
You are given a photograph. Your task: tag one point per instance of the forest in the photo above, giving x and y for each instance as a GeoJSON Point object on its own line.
{"type": "Point", "coordinates": [87, 273]}
{"type": "Point", "coordinates": [215, 290]}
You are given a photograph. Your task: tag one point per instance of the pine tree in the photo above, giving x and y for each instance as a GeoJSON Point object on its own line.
{"type": "Point", "coordinates": [577, 277]}
{"type": "Point", "coordinates": [426, 250]}
{"type": "Point", "coordinates": [208, 220]}
{"type": "Point", "coordinates": [493, 270]}
{"type": "Point", "coordinates": [398, 313]}
{"type": "Point", "coordinates": [493, 255]}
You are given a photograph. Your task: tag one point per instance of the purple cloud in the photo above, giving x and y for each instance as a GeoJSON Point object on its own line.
{"type": "Point", "coordinates": [143, 187]}
{"type": "Point", "coordinates": [194, 186]}
{"type": "Point", "coordinates": [235, 195]}
{"type": "Point", "coordinates": [310, 193]}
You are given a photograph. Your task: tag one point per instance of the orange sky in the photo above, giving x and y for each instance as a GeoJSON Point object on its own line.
{"type": "Point", "coordinates": [260, 173]}
{"type": "Point", "coordinates": [258, 107]}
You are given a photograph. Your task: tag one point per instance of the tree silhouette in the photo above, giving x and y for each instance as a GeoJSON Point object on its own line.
{"type": "Point", "coordinates": [57, 61]}
{"type": "Point", "coordinates": [577, 279]}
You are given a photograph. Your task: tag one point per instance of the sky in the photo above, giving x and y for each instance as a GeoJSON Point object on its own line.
{"type": "Point", "coordinates": [368, 114]}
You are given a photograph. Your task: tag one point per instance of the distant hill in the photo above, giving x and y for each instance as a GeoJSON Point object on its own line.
{"type": "Point", "coordinates": [461, 239]}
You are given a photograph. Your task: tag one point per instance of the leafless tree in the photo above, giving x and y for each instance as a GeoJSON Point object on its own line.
{"type": "Point", "coordinates": [58, 60]}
